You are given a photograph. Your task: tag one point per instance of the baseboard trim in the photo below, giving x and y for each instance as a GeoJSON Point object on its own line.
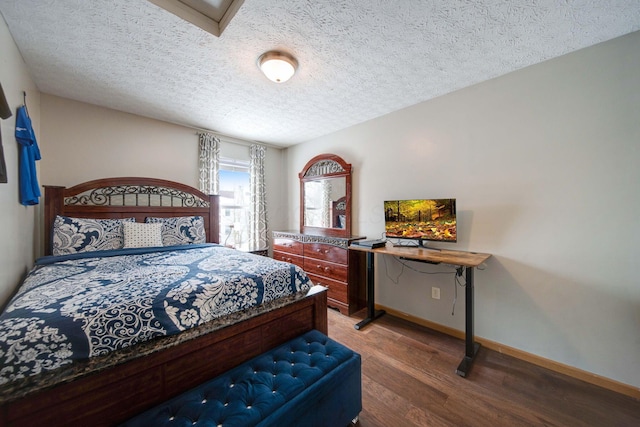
{"type": "Point", "coordinates": [561, 368]}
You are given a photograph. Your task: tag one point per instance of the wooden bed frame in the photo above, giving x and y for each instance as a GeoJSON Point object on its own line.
{"type": "Point", "coordinates": [112, 394]}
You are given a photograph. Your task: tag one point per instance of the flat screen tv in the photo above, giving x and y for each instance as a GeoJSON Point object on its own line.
{"type": "Point", "coordinates": [421, 219]}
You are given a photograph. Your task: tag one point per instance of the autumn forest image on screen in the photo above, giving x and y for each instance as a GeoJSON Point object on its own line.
{"type": "Point", "coordinates": [433, 219]}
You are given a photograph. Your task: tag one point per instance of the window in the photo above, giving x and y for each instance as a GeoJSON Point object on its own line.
{"type": "Point", "coordinates": [234, 203]}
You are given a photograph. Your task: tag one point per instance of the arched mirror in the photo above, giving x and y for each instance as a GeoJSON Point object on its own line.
{"type": "Point", "coordinates": [325, 196]}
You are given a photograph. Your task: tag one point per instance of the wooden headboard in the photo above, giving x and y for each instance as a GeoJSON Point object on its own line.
{"type": "Point", "coordinates": [129, 197]}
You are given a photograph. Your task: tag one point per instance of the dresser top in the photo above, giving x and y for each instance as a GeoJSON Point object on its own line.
{"type": "Point", "coordinates": [316, 238]}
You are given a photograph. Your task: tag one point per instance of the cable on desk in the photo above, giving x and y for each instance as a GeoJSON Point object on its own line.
{"type": "Point", "coordinates": [401, 261]}
{"type": "Point", "coordinates": [456, 281]}
{"type": "Point", "coordinates": [396, 281]}
{"type": "Point", "coordinates": [405, 264]}
{"type": "Point", "coordinates": [456, 277]}
{"type": "Point", "coordinates": [386, 271]}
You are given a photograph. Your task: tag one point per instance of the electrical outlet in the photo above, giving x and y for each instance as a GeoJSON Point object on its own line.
{"type": "Point", "coordinates": [435, 293]}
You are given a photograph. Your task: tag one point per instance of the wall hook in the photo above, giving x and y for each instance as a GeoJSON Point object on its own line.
{"type": "Point", "coordinates": [24, 102]}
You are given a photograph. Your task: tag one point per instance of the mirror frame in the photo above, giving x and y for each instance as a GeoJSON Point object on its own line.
{"type": "Point", "coordinates": [320, 167]}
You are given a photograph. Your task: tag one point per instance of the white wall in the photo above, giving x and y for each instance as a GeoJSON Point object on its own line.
{"type": "Point", "coordinates": [18, 225]}
{"type": "Point", "coordinates": [544, 165]}
{"type": "Point", "coordinates": [85, 142]}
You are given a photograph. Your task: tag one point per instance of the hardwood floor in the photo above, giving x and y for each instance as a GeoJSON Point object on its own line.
{"type": "Point", "coordinates": [408, 379]}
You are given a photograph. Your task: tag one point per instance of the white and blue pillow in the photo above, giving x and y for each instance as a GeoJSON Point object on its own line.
{"type": "Point", "coordinates": [183, 230]}
{"type": "Point", "coordinates": [75, 235]}
{"type": "Point", "coordinates": [138, 235]}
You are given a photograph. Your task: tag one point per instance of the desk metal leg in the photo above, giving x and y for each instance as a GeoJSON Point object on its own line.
{"type": "Point", "coordinates": [471, 347]}
{"type": "Point", "coordinates": [372, 313]}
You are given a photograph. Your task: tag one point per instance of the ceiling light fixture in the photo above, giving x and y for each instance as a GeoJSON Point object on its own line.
{"type": "Point", "coordinates": [277, 66]}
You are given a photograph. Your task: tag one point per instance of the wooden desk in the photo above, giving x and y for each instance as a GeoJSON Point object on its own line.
{"type": "Point", "coordinates": [466, 261]}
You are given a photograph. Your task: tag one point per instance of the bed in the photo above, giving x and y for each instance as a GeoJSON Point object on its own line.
{"type": "Point", "coordinates": [178, 341]}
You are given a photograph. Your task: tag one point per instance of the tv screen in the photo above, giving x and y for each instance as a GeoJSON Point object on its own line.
{"type": "Point", "coordinates": [421, 219]}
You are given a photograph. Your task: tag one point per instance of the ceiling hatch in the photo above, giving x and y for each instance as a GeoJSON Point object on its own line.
{"type": "Point", "coordinates": [212, 16]}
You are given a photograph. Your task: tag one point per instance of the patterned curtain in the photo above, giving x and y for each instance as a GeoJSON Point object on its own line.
{"type": "Point", "coordinates": [326, 203]}
{"type": "Point", "coordinates": [209, 163]}
{"type": "Point", "coordinates": [258, 231]}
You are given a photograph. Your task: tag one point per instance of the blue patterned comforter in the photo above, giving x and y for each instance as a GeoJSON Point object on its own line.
{"type": "Point", "coordinates": [78, 306]}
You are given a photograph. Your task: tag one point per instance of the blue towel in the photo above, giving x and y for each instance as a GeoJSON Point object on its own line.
{"type": "Point", "coordinates": [29, 153]}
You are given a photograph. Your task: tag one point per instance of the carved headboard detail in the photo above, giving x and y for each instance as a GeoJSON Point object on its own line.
{"type": "Point", "coordinates": [128, 197]}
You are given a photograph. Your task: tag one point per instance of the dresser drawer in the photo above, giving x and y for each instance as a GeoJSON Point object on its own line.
{"type": "Point", "coordinates": [288, 245]}
{"type": "Point", "coordinates": [337, 290]}
{"type": "Point", "coordinates": [290, 258]}
{"type": "Point", "coordinates": [328, 262]}
{"type": "Point", "coordinates": [326, 252]}
{"type": "Point", "coordinates": [326, 269]}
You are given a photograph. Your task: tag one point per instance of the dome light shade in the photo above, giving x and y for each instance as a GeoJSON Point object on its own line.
{"type": "Point", "coordinates": [277, 66]}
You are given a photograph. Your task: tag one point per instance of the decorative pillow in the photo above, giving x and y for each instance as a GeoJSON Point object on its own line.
{"type": "Point", "coordinates": [137, 235]}
{"type": "Point", "coordinates": [181, 230]}
{"type": "Point", "coordinates": [74, 235]}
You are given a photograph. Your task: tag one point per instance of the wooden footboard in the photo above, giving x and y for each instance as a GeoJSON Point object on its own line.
{"type": "Point", "coordinates": [113, 395]}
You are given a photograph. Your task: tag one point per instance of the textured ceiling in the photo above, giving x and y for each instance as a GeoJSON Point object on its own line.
{"type": "Point", "coordinates": [358, 59]}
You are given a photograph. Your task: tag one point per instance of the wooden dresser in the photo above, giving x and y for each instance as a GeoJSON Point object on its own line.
{"type": "Point", "coordinates": [328, 262]}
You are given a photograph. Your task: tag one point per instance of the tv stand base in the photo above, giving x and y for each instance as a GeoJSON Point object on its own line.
{"type": "Point", "coordinates": [420, 245]}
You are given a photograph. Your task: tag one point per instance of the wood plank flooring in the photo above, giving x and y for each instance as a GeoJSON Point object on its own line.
{"type": "Point", "coordinates": [409, 379]}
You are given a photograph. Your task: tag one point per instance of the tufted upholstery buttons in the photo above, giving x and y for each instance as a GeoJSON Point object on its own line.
{"type": "Point", "coordinates": [248, 393]}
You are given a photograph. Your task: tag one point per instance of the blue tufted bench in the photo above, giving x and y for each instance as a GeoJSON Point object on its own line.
{"type": "Point", "coordinates": [308, 381]}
